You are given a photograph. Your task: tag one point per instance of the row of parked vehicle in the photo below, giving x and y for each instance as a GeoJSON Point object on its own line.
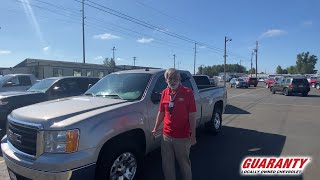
{"type": "Point", "coordinates": [245, 82]}
{"type": "Point", "coordinates": [19, 90]}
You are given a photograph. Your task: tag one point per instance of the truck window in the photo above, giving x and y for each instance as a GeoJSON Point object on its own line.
{"type": "Point", "coordinates": [25, 81]}
{"type": "Point", "coordinates": [160, 85]}
{"type": "Point", "coordinates": [185, 80]}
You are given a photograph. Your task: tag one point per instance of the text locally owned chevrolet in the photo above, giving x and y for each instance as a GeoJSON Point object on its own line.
{"type": "Point", "coordinates": [103, 134]}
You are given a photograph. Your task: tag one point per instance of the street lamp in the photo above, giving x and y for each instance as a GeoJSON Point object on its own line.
{"type": "Point", "coordinates": [226, 39]}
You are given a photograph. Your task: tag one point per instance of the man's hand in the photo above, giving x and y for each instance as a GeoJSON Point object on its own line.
{"type": "Point", "coordinates": [193, 140]}
{"type": "Point", "coordinates": [153, 132]}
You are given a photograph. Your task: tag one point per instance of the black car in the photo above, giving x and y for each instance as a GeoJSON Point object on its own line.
{"type": "Point", "coordinates": [44, 90]}
{"type": "Point", "coordinates": [291, 85]}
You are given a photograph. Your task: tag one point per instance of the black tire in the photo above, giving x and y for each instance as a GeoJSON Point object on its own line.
{"type": "Point", "coordinates": [114, 151]}
{"type": "Point", "coordinates": [214, 125]}
{"type": "Point", "coordinates": [286, 92]}
{"type": "Point", "coordinates": [273, 91]}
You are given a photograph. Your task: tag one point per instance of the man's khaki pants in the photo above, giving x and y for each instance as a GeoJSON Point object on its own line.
{"type": "Point", "coordinates": [179, 149]}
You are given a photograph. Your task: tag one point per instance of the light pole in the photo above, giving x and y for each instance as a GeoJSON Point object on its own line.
{"type": "Point", "coordinates": [226, 39]}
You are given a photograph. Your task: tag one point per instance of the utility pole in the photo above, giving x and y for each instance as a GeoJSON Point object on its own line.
{"type": "Point", "coordinates": [134, 62]}
{"type": "Point", "coordinates": [174, 61]}
{"type": "Point", "coordinates": [83, 43]}
{"type": "Point", "coordinates": [225, 58]}
{"type": "Point", "coordinates": [113, 49]}
{"type": "Point", "coordinates": [195, 56]}
{"type": "Point", "coordinates": [257, 59]}
{"type": "Point", "coordinates": [251, 64]}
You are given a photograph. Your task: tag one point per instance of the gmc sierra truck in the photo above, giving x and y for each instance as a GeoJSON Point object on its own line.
{"type": "Point", "coordinates": [103, 134]}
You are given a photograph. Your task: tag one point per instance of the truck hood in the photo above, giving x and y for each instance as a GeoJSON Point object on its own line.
{"type": "Point", "coordinates": [50, 112]}
{"type": "Point", "coordinates": [16, 93]}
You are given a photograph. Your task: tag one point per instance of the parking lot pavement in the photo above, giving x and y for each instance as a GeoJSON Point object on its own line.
{"type": "Point", "coordinates": [256, 122]}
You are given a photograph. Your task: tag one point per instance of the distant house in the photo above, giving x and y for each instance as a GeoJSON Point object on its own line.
{"type": "Point", "coordinates": [49, 68]}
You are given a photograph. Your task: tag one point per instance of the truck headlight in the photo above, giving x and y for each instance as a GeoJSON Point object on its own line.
{"type": "Point", "coordinates": [2, 103]}
{"type": "Point", "coordinates": [61, 141]}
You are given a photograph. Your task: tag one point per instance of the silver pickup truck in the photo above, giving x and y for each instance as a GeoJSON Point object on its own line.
{"type": "Point", "coordinates": [103, 134]}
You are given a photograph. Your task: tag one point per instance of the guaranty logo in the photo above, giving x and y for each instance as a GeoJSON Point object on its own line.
{"type": "Point", "coordinates": [274, 165]}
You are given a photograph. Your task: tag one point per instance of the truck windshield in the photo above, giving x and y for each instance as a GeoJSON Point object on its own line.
{"type": "Point", "coordinates": [42, 86]}
{"type": "Point", "coordinates": [4, 79]}
{"type": "Point", "coordinates": [129, 86]}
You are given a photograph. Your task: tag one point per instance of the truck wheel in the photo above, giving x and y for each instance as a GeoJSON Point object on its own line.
{"type": "Point", "coordinates": [214, 125]}
{"type": "Point", "coordinates": [286, 92]}
{"type": "Point", "coordinates": [122, 161]}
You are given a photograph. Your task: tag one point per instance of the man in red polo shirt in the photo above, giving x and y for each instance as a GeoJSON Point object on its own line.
{"type": "Point", "coordinates": [177, 110]}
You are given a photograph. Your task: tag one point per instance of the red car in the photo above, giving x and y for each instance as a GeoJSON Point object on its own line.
{"type": "Point", "coordinates": [312, 81]}
{"type": "Point", "coordinates": [252, 81]}
{"type": "Point", "coordinates": [269, 82]}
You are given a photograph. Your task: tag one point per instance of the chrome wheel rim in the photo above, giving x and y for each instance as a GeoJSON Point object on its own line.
{"type": "Point", "coordinates": [124, 167]}
{"type": "Point", "coordinates": [217, 121]}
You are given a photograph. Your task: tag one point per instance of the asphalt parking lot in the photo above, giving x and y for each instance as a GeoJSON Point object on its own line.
{"type": "Point", "coordinates": [256, 122]}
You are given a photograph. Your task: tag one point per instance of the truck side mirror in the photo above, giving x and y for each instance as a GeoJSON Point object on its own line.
{"type": "Point", "coordinates": [155, 97]}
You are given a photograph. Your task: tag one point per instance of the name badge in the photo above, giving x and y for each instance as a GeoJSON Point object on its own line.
{"type": "Point", "coordinates": [171, 104]}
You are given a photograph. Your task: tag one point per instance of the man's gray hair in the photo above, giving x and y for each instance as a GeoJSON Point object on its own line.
{"type": "Point", "coordinates": [172, 71]}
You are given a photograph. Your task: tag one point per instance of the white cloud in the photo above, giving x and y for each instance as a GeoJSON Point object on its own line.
{"type": "Point", "coordinates": [273, 33]}
{"type": "Point", "coordinates": [98, 58]}
{"type": "Point", "coordinates": [120, 59]}
{"type": "Point", "coordinates": [106, 36]}
{"type": "Point", "coordinates": [307, 23]}
{"type": "Point", "coordinates": [5, 52]}
{"type": "Point", "coordinates": [145, 40]}
{"type": "Point", "coordinates": [46, 48]}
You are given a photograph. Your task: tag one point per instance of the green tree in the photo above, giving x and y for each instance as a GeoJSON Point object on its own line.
{"type": "Point", "coordinates": [279, 70]}
{"type": "Point", "coordinates": [305, 63]}
{"type": "Point", "coordinates": [292, 70]}
{"type": "Point", "coordinates": [109, 63]}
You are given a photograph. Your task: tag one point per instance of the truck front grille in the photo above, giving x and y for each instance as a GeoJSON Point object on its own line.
{"type": "Point", "coordinates": [23, 138]}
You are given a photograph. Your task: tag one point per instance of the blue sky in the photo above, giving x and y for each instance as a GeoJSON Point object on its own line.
{"type": "Point", "coordinates": [284, 28]}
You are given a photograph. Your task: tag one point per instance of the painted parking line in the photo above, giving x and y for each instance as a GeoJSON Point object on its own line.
{"type": "Point", "coordinates": [245, 93]}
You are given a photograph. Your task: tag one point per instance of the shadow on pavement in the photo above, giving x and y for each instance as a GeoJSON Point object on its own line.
{"type": "Point", "coordinates": [219, 157]}
{"type": "Point", "coordinates": [230, 109]}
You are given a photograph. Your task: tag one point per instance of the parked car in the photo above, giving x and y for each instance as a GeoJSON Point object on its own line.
{"type": "Point", "coordinates": [252, 81]}
{"type": "Point", "coordinates": [291, 85]}
{"type": "Point", "coordinates": [261, 79]}
{"type": "Point", "coordinates": [238, 82]}
{"type": "Point", "coordinates": [312, 80]}
{"type": "Point", "coordinates": [46, 89]}
{"type": "Point", "coordinates": [16, 82]}
{"type": "Point", "coordinates": [269, 82]}
{"type": "Point", "coordinates": [103, 134]}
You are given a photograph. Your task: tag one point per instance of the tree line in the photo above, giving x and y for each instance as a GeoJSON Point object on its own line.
{"type": "Point", "coordinates": [305, 64]}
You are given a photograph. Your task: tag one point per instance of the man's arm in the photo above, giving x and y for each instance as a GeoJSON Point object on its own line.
{"type": "Point", "coordinates": [159, 120]}
{"type": "Point", "coordinates": [192, 121]}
